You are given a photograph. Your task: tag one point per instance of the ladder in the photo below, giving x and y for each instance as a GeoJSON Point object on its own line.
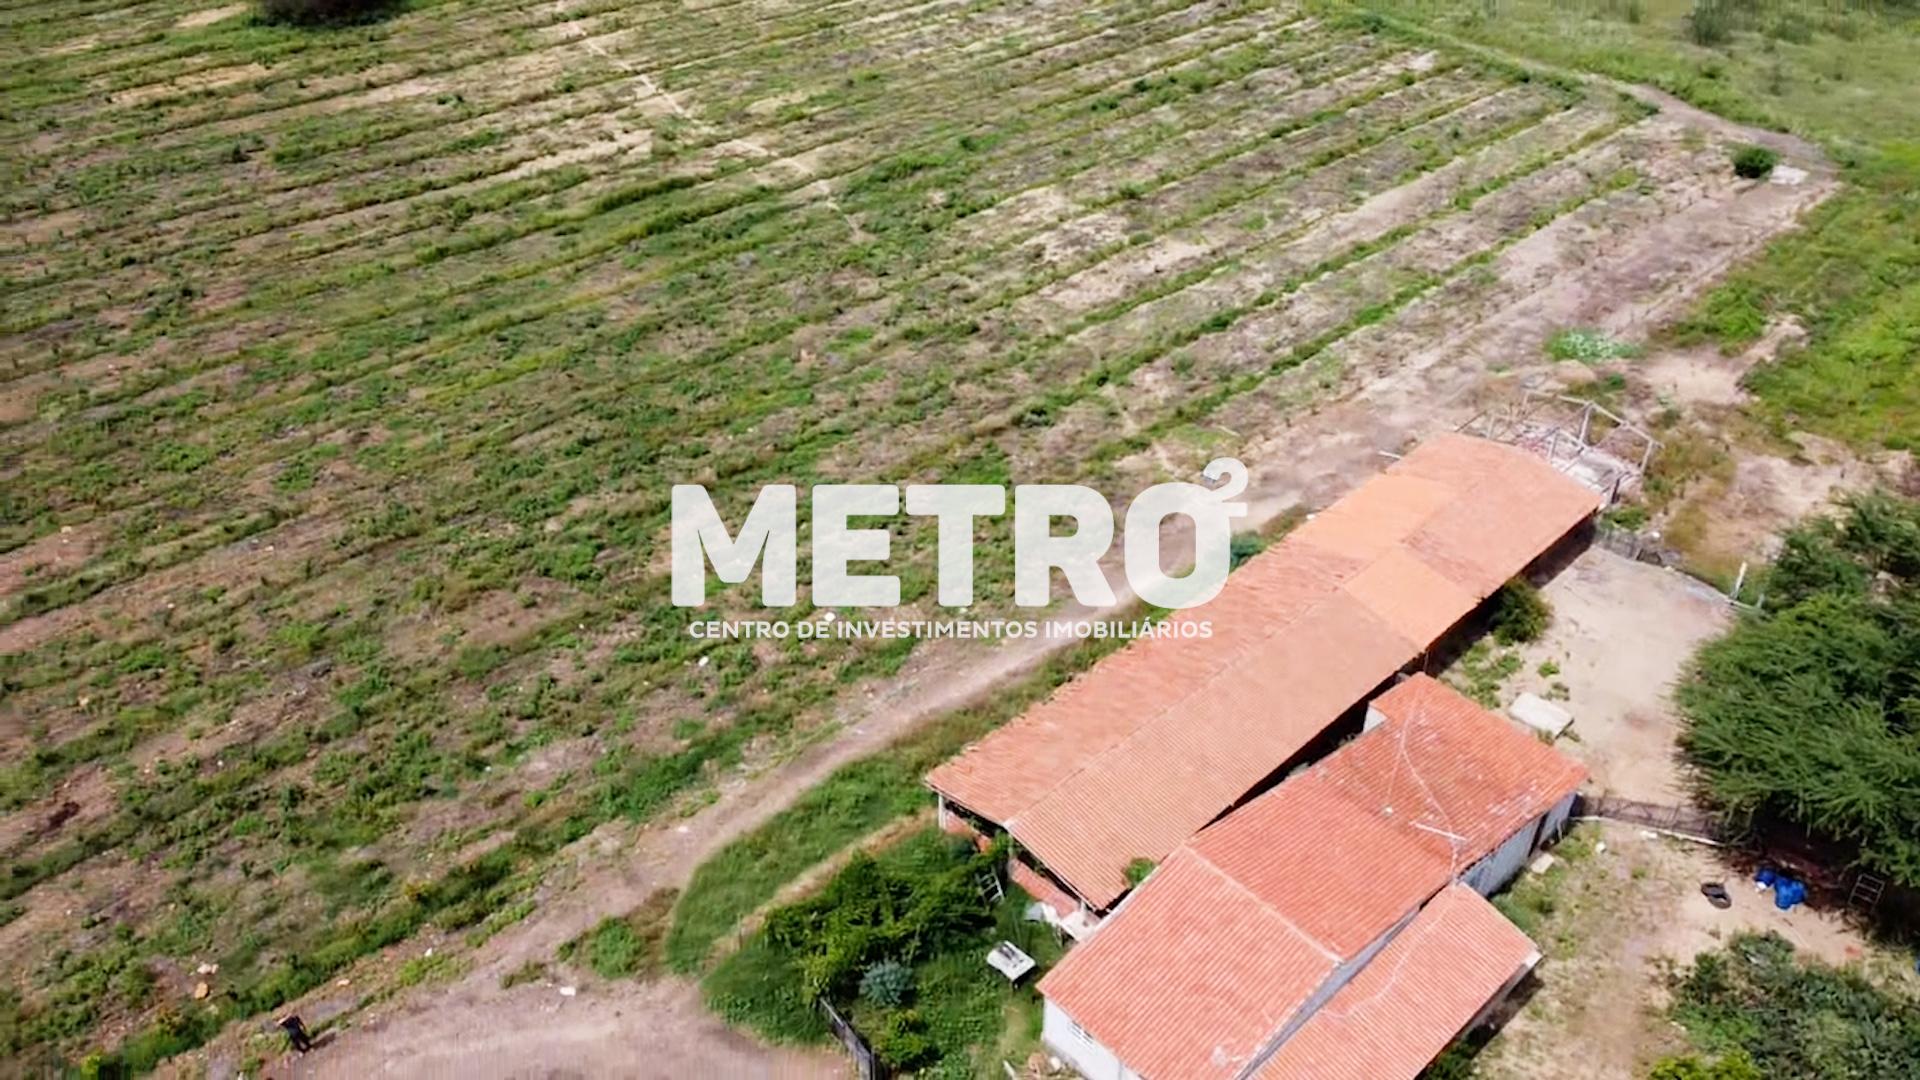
{"type": "Point", "coordinates": [1867, 889]}
{"type": "Point", "coordinates": [990, 890]}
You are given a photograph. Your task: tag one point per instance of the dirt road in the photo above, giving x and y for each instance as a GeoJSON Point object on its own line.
{"type": "Point", "coordinates": [1421, 372]}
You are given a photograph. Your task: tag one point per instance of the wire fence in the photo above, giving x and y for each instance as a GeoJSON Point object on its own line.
{"type": "Point", "coordinates": [1689, 821]}
{"type": "Point", "coordinates": [866, 1063]}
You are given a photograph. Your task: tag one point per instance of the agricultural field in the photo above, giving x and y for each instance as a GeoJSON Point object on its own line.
{"type": "Point", "coordinates": [344, 373]}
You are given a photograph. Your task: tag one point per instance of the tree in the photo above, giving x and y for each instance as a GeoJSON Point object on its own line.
{"type": "Point", "coordinates": [314, 12]}
{"type": "Point", "coordinates": [1520, 613]}
{"type": "Point", "coordinates": [1812, 711]}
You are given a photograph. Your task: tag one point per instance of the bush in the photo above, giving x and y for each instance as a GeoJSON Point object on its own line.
{"type": "Point", "coordinates": [1767, 1013]}
{"type": "Point", "coordinates": [1807, 711]}
{"type": "Point", "coordinates": [1754, 162]}
{"type": "Point", "coordinates": [1244, 546]}
{"type": "Point", "coordinates": [1735, 1066]}
{"type": "Point", "coordinates": [1588, 347]}
{"type": "Point", "coordinates": [900, 1038]}
{"type": "Point", "coordinates": [887, 983]}
{"type": "Point", "coordinates": [1712, 22]}
{"type": "Point", "coordinates": [1520, 613]}
{"type": "Point", "coordinates": [323, 12]}
{"type": "Point", "coordinates": [870, 912]}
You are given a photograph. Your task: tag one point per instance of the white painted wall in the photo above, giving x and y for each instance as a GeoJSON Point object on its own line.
{"type": "Point", "coordinates": [1078, 1048]}
{"type": "Point", "coordinates": [1489, 874]}
{"type": "Point", "coordinates": [1556, 819]}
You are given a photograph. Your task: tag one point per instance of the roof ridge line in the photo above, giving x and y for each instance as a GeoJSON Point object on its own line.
{"type": "Point", "coordinates": [1318, 945]}
{"type": "Point", "coordinates": [1156, 717]}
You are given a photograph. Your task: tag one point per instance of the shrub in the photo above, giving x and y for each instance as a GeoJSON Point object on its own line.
{"type": "Point", "coordinates": [900, 1038]}
{"type": "Point", "coordinates": [1735, 1066]}
{"type": "Point", "coordinates": [1754, 162]}
{"type": "Point", "coordinates": [1712, 22]}
{"type": "Point", "coordinates": [1520, 613]}
{"type": "Point", "coordinates": [887, 983]}
{"type": "Point", "coordinates": [1138, 869]}
{"type": "Point", "coordinates": [1588, 346]}
{"type": "Point", "coordinates": [1244, 546]}
{"type": "Point", "coordinates": [1629, 516]}
{"type": "Point", "coordinates": [869, 912]}
{"type": "Point", "coordinates": [1766, 1012]}
{"type": "Point", "coordinates": [322, 12]}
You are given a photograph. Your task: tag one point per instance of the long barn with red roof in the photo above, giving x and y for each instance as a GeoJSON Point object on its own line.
{"type": "Point", "coordinates": [1131, 759]}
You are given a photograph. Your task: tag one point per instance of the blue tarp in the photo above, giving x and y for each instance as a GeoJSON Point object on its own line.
{"type": "Point", "coordinates": [1787, 891]}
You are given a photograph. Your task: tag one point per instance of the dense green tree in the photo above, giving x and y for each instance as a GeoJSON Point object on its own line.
{"type": "Point", "coordinates": [1811, 711]}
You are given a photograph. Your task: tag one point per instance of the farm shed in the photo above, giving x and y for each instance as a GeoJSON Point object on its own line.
{"type": "Point", "coordinates": [1338, 918]}
{"type": "Point", "coordinates": [1132, 758]}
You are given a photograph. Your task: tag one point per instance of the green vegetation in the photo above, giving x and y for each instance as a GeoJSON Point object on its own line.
{"type": "Point", "coordinates": [1734, 1066]}
{"type": "Point", "coordinates": [531, 971]}
{"type": "Point", "coordinates": [856, 800]}
{"type": "Point", "coordinates": [1754, 162]}
{"type": "Point", "coordinates": [1851, 279]}
{"type": "Point", "coordinates": [1838, 74]}
{"type": "Point", "coordinates": [887, 984]}
{"type": "Point", "coordinates": [1531, 900]}
{"type": "Point", "coordinates": [313, 12]}
{"type": "Point", "coordinates": [1807, 711]}
{"type": "Point", "coordinates": [336, 504]}
{"type": "Point", "coordinates": [1139, 869]}
{"type": "Point", "coordinates": [628, 946]}
{"type": "Point", "coordinates": [1520, 613]}
{"type": "Point", "coordinates": [898, 944]}
{"type": "Point", "coordinates": [1483, 670]}
{"type": "Point", "coordinates": [1588, 347]}
{"type": "Point", "coordinates": [1454, 1063]}
{"type": "Point", "coordinates": [1761, 1011]}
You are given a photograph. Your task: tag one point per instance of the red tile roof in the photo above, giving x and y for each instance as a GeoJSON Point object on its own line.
{"type": "Point", "coordinates": [1132, 758]}
{"type": "Point", "coordinates": [1304, 879]}
{"type": "Point", "coordinates": [1409, 1002]}
{"type": "Point", "coordinates": [1205, 973]}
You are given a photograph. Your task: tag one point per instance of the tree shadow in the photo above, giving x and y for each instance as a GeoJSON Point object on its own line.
{"type": "Point", "coordinates": [326, 14]}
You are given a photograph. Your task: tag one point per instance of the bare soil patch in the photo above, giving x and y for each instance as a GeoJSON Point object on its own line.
{"type": "Point", "coordinates": [50, 556]}
{"type": "Point", "coordinates": [1620, 638]}
{"type": "Point", "coordinates": [210, 16]}
{"type": "Point", "coordinates": [1624, 918]}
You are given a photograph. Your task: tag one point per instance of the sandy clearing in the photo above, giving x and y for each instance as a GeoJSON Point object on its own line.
{"type": "Point", "coordinates": [1624, 725]}
{"type": "Point", "coordinates": [622, 1029]}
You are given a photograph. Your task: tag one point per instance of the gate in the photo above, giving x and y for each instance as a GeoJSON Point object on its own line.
{"type": "Point", "coordinates": [866, 1063]}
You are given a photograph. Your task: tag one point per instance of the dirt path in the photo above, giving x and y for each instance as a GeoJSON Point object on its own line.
{"type": "Point", "coordinates": [1414, 377]}
{"type": "Point", "coordinates": [659, 1028]}
{"type": "Point", "coordinates": [626, 1029]}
